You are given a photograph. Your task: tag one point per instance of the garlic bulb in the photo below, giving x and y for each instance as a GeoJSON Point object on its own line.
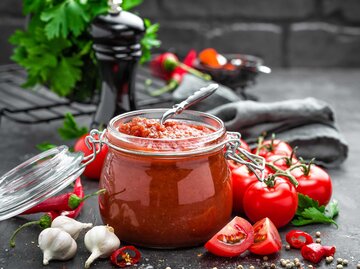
{"type": "Point", "coordinates": [70, 225]}
{"type": "Point", "coordinates": [101, 242]}
{"type": "Point", "coordinates": [56, 245]}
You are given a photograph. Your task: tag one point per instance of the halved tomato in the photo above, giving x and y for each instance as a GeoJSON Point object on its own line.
{"type": "Point", "coordinates": [267, 239]}
{"type": "Point", "coordinates": [232, 240]}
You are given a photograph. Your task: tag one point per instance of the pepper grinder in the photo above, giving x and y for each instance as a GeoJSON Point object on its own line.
{"type": "Point", "coordinates": [117, 47]}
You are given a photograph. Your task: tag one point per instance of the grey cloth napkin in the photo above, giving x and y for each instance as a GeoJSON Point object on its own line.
{"type": "Point", "coordinates": [308, 123]}
{"type": "Point", "coordinates": [191, 84]}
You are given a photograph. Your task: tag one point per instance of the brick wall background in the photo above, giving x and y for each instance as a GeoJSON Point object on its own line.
{"type": "Point", "coordinates": [286, 33]}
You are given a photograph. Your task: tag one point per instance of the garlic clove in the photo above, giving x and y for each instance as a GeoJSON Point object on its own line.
{"type": "Point", "coordinates": [69, 225]}
{"type": "Point", "coordinates": [101, 241]}
{"type": "Point", "coordinates": [56, 245]}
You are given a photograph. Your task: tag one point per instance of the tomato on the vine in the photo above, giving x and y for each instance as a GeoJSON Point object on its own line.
{"type": "Point", "coordinates": [281, 161]}
{"type": "Point", "coordinates": [267, 239]}
{"type": "Point", "coordinates": [315, 183]}
{"type": "Point", "coordinates": [241, 179]}
{"type": "Point", "coordinates": [274, 147]}
{"type": "Point", "coordinates": [93, 169]}
{"type": "Point", "coordinates": [276, 199]}
{"type": "Point", "coordinates": [232, 240]}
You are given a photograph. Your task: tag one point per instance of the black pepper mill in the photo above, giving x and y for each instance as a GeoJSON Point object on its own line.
{"type": "Point", "coordinates": [117, 48]}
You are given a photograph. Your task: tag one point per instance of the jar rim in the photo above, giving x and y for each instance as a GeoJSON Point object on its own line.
{"type": "Point", "coordinates": [192, 115]}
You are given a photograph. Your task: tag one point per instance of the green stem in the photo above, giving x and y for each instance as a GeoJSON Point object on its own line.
{"type": "Point", "coordinates": [259, 144]}
{"type": "Point", "coordinates": [75, 201]}
{"type": "Point", "coordinates": [12, 238]}
{"type": "Point", "coordinates": [167, 88]}
{"type": "Point", "coordinates": [194, 71]}
{"type": "Point", "coordinates": [281, 172]}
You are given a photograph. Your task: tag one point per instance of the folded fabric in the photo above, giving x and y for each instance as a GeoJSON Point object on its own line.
{"type": "Point", "coordinates": [191, 84]}
{"type": "Point", "coordinates": [308, 123]}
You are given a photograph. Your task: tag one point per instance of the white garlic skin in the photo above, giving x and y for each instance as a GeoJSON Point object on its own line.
{"type": "Point", "coordinates": [56, 245]}
{"type": "Point", "coordinates": [69, 225]}
{"type": "Point", "coordinates": [101, 242]}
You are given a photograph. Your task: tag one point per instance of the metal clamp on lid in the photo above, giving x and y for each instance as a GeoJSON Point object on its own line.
{"type": "Point", "coordinates": [254, 162]}
{"type": "Point", "coordinates": [94, 138]}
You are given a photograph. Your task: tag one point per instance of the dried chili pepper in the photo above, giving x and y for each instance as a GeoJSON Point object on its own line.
{"type": "Point", "coordinates": [79, 191]}
{"type": "Point", "coordinates": [313, 252]}
{"type": "Point", "coordinates": [125, 256]}
{"type": "Point", "coordinates": [64, 202]}
{"type": "Point", "coordinates": [298, 238]}
{"type": "Point", "coordinates": [44, 222]}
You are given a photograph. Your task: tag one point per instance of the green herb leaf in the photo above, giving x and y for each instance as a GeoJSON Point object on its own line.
{"type": "Point", "coordinates": [309, 212]}
{"type": "Point", "coordinates": [130, 4]}
{"type": "Point", "coordinates": [149, 40]}
{"type": "Point", "coordinates": [332, 209]}
{"type": "Point", "coordinates": [70, 129]}
{"type": "Point", "coordinates": [65, 75]}
{"type": "Point", "coordinates": [45, 146]}
{"type": "Point", "coordinates": [64, 18]}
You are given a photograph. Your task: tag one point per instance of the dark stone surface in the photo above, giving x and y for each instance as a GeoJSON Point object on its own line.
{"type": "Point", "coordinates": [263, 9]}
{"type": "Point", "coordinates": [323, 44]}
{"type": "Point", "coordinates": [349, 9]}
{"type": "Point", "coordinates": [7, 28]}
{"type": "Point", "coordinates": [259, 39]}
{"type": "Point", "coordinates": [339, 87]}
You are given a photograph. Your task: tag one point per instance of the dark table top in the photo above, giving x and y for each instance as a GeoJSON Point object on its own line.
{"type": "Point", "coordinates": [339, 87]}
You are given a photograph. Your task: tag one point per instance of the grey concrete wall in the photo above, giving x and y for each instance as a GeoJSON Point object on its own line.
{"type": "Point", "coordinates": [287, 33]}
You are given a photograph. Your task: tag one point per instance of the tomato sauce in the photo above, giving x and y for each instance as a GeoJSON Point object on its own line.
{"type": "Point", "coordinates": [164, 201]}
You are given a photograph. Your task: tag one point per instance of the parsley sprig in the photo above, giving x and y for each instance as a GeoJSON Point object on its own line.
{"type": "Point", "coordinates": [55, 49]}
{"type": "Point", "coordinates": [309, 212]}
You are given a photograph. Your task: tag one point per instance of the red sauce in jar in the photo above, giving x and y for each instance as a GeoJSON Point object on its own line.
{"type": "Point", "coordinates": [151, 128]}
{"type": "Point", "coordinates": [164, 201]}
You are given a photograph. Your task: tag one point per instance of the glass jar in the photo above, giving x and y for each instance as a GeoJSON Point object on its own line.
{"type": "Point", "coordinates": [166, 193]}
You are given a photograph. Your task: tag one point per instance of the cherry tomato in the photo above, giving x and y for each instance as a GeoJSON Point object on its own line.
{"type": "Point", "coordinates": [232, 164]}
{"type": "Point", "coordinates": [232, 240]}
{"type": "Point", "coordinates": [316, 184]}
{"type": "Point", "coordinates": [313, 252]}
{"type": "Point", "coordinates": [93, 169]}
{"type": "Point", "coordinates": [298, 238]}
{"type": "Point", "coordinates": [267, 239]}
{"type": "Point", "coordinates": [125, 256]}
{"type": "Point", "coordinates": [210, 58]}
{"type": "Point", "coordinates": [275, 147]}
{"type": "Point", "coordinates": [241, 179]}
{"type": "Point", "coordinates": [278, 202]}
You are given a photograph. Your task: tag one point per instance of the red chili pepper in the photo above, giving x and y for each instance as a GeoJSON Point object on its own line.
{"type": "Point", "coordinates": [79, 191]}
{"type": "Point", "coordinates": [44, 222]}
{"type": "Point", "coordinates": [165, 64]}
{"type": "Point", "coordinates": [125, 256]}
{"type": "Point", "coordinates": [177, 75]}
{"type": "Point", "coordinates": [329, 250]}
{"type": "Point", "coordinates": [313, 252]}
{"type": "Point", "coordinates": [64, 202]}
{"type": "Point", "coordinates": [298, 238]}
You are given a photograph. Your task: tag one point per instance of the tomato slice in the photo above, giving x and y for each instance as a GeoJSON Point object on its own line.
{"type": "Point", "coordinates": [232, 240]}
{"type": "Point", "coordinates": [298, 238]}
{"type": "Point", "coordinates": [267, 239]}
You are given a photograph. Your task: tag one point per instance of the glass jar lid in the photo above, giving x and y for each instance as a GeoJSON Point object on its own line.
{"type": "Point", "coordinates": [37, 179]}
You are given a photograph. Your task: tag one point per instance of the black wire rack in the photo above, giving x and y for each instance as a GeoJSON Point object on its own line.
{"type": "Point", "coordinates": [39, 104]}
